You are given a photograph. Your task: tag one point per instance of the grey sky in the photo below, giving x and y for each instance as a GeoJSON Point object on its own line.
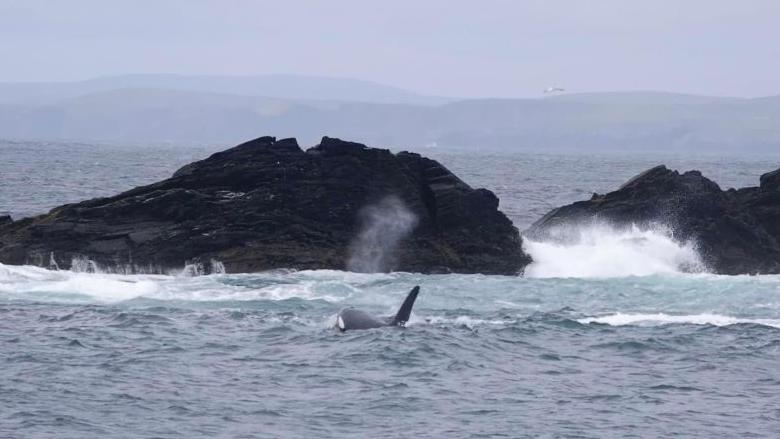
{"type": "Point", "coordinates": [453, 48]}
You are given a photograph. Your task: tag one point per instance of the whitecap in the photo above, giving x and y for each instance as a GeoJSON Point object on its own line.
{"type": "Point", "coordinates": [621, 319]}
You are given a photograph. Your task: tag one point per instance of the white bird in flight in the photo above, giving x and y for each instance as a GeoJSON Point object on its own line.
{"type": "Point", "coordinates": [553, 90]}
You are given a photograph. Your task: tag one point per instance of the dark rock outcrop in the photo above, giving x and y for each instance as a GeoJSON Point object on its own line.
{"type": "Point", "coordinates": [736, 231]}
{"type": "Point", "coordinates": [268, 204]}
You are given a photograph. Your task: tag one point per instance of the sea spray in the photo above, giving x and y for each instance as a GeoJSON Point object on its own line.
{"type": "Point", "coordinates": [53, 265]}
{"type": "Point", "coordinates": [383, 226]}
{"type": "Point", "coordinates": [598, 250]}
{"type": "Point", "coordinates": [82, 264]}
{"type": "Point", "coordinates": [196, 267]}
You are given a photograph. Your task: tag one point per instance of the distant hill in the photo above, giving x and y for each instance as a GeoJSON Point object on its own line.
{"type": "Point", "coordinates": [230, 113]}
{"type": "Point", "coordinates": [296, 87]}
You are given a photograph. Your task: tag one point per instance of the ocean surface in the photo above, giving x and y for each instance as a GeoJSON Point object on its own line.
{"type": "Point", "coordinates": [602, 338]}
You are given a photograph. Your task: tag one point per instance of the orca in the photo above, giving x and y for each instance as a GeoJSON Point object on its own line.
{"type": "Point", "coordinates": [351, 318]}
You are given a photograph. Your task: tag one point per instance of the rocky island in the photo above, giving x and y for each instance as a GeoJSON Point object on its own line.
{"type": "Point", "coordinates": [736, 231]}
{"type": "Point", "coordinates": [268, 204]}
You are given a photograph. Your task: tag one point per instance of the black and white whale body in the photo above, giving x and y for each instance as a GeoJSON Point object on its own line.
{"type": "Point", "coordinates": [351, 318]}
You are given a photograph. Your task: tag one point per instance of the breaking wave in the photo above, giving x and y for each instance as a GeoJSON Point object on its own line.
{"type": "Point", "coordinates": [39, 284]}
{"type": "Point", "coordinates": [620, 319]}
{"type": "Point", "coordinates": [600, 251]}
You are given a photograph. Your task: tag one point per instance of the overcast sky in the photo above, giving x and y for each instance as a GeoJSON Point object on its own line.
{"type": "Point", "coordinates": [476, 48]}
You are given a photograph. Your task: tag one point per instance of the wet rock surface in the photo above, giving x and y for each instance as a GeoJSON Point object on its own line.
{"type": "Point", "coordinates": [268, 204]}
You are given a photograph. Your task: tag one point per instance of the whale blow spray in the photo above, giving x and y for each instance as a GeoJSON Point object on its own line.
{"type": "Point", "coordinates": [383, 226]}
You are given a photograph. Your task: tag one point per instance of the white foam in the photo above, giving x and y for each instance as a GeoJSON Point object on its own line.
{"type": "Point", "coordinates": [35, 283]}
{"type": "Point", "coordinates": [599, 251]}
{"type": "Point", "coordinates": [467, 321]}
{"type": "Point", "coordinates": [206, 289]}
{"type": "Point", "coordinates": [32, 282]}
{"type": "Point", "coordinates": [621, 319]}
{"type": "Point", "coordinates": [346, 276]}
{"type": "Point", "coordinates": [11, 273]}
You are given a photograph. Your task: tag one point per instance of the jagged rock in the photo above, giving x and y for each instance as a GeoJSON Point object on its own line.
{"type": "Point", "coordinates": [736, 231]}
{"type": "Point", "coordinates": [267, 204]}
{"type": "Point", "coordinates": [771, 181]}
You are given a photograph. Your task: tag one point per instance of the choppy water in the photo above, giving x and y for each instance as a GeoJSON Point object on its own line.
{"type": "Point", "coordinates": [602, 339]}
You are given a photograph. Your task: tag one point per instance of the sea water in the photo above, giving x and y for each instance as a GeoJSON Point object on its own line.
{"type": "Point", "coordinates": [605, 337]}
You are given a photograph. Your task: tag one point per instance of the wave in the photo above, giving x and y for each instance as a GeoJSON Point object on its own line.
{"type": "Point", "coordinates": [599, 251]}
{"type": "Point", "coordinates": [39, 284]}
{"type": "Point", "coordinates": [495, 302]}
{"type": "Point", "coordinates": [621, 319]}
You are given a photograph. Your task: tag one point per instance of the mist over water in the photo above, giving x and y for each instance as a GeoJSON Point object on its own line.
{"type": "Point", "coordinates": [383, 226]}
{"type": "Point", "coordinates": [610, 333]}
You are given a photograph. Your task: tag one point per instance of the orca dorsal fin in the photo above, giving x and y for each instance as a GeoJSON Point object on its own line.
{"type": "Point", "coordinates": [406, 308]}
